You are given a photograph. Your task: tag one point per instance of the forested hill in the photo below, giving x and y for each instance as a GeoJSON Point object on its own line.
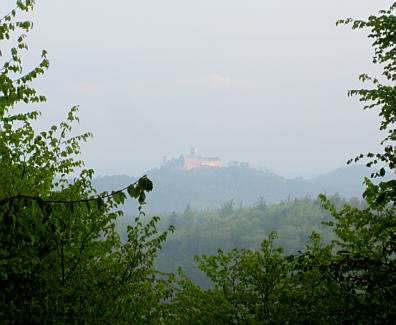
{"type": "Point", "coordinates": [209, 187]}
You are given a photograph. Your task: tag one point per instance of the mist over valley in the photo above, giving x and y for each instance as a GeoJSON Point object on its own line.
{"type": "Point", "coordinates": [190, 180]}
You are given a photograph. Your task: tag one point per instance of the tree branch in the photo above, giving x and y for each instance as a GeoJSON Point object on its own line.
{"type": "Point", "coordinates": [34, 198]}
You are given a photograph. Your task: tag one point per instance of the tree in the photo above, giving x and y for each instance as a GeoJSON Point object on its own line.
{"type": "Point", "coordinates": [247, 288]}
{"type": "Point", "coordinates": [352, 280]}
{"type": "Point", "coordinates": [227, 208]}
{"type": "Point", "coordinates": [61, 261]}
{"type": "Point", "coordinates": [363, 265]}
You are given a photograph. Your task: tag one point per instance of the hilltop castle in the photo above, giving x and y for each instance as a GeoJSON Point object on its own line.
{"type": "Point", "coordinates": [192, 161]}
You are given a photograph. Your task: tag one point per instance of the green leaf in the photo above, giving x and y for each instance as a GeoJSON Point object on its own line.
{"type": "Point", "coordinates": [145, 184]}
{"type": "Point", "coordinates": [100, 203]}
{"type": "Point", "coordinates": [142, 198]}
{"type": "Point", "coordinates": [132, 191]}
{"type": "Point", "coordinates": [40, 203]}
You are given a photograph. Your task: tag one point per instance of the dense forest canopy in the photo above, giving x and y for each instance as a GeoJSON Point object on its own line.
{"type": "Point", "coordinates": [200, 232]}
{"type": "Point", "coordinates": [63, 261]}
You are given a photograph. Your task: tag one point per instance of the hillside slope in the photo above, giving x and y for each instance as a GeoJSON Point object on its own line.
{"type": "Point", "coordinates": [209, 187]}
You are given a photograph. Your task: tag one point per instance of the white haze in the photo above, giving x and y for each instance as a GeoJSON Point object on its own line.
{"type": "Point", "coordinates": [258, 81]}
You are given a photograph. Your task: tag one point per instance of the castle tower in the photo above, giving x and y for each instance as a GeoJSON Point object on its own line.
{"type": "Point", "coordinates": [194, 151]}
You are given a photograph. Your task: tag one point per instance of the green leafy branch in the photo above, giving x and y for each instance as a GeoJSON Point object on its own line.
{"type": "Point", "coordinates": [382, 31]}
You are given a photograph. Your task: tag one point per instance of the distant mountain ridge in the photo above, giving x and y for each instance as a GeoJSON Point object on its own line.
{"type": "Point", "coordinates": [209, 187]}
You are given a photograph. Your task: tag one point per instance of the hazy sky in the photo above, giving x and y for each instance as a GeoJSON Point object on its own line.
{"type": "Point", "coordinates": [249, 80]}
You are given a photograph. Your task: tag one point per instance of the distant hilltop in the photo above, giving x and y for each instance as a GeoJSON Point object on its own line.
{"type": "Point", "coordinates": [201, 188]}
{"type": "Point", "coordinates": [191, 161]}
